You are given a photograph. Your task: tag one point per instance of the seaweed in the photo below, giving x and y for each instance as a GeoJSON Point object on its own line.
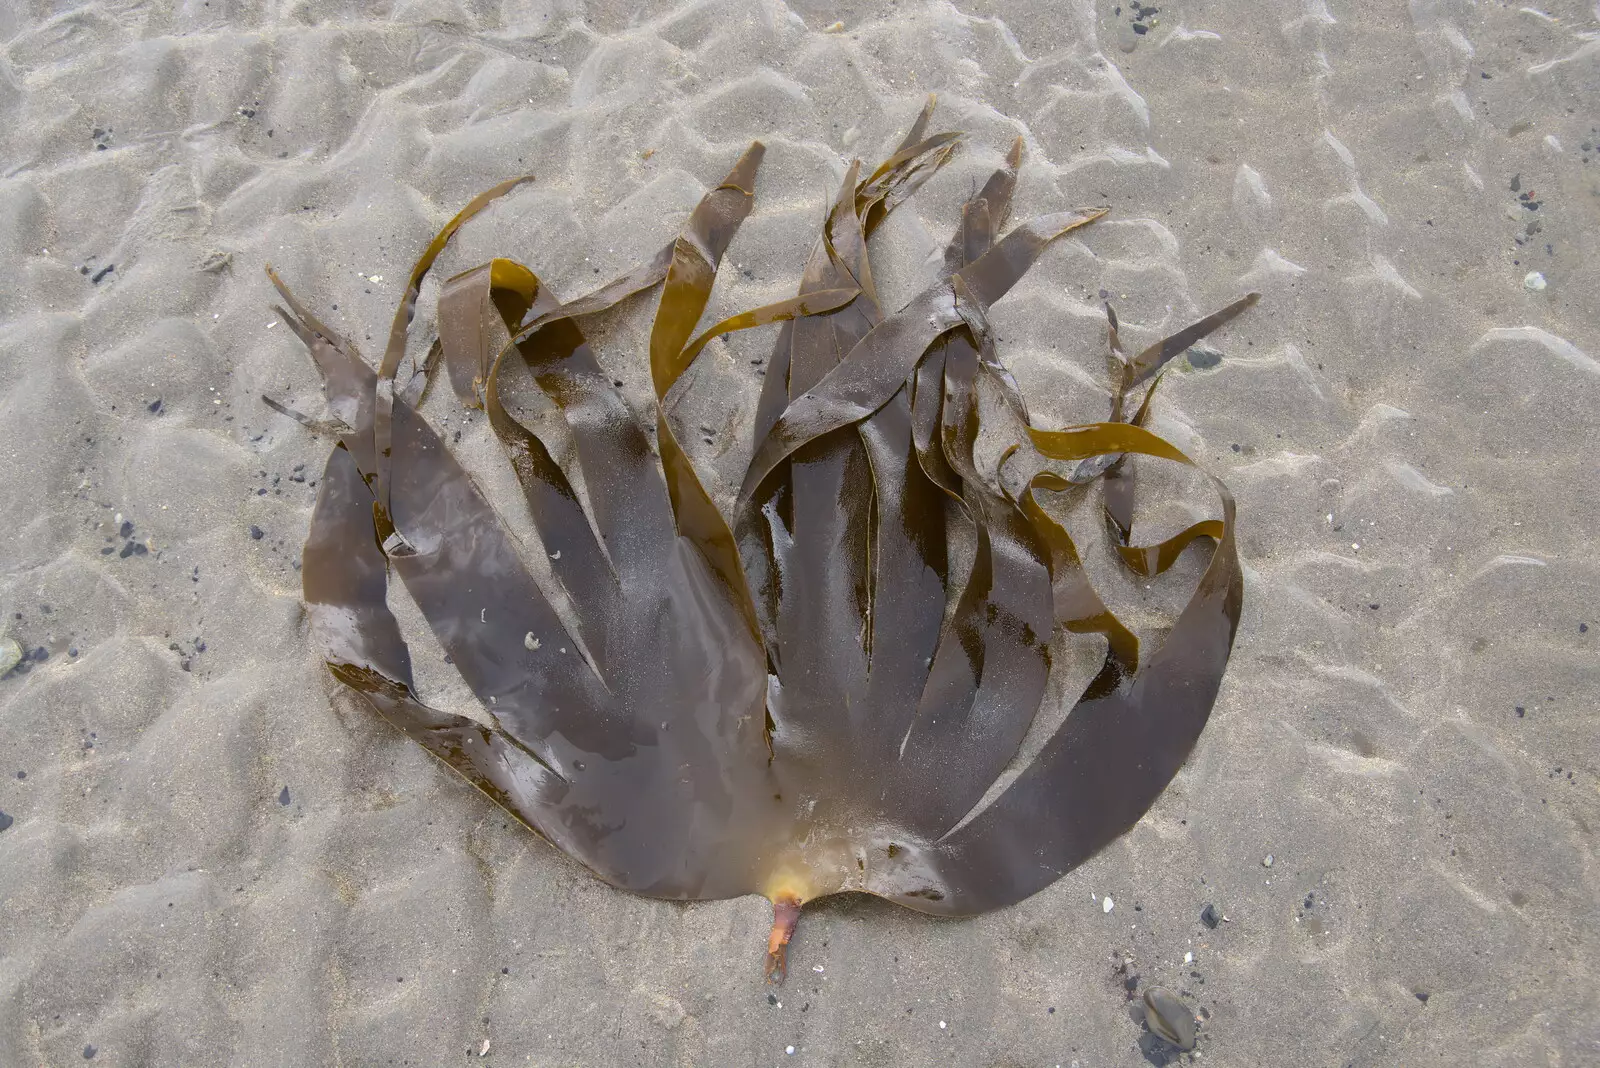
{"type": "Point", "coordinates": [814, 694]}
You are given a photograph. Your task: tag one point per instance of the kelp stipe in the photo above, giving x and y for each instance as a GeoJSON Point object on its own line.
{"type": "Point", "coordinates": [775, 702]}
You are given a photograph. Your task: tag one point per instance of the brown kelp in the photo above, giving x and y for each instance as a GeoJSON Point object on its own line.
{"type": "Point", "coordinates": [809, 698]}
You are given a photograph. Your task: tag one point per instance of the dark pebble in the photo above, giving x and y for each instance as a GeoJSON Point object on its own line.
{"type": "Point", "coordinates": [1210, 916]}
{"type": "Point", "coordinates": [283, 796]}
{"type": "Point", "coordinates": [1521, 711]}
{"type": "Point", "coordinates": [100, 275]}
{"type": "Point", "coordinates": [22, 775]}
{"type": "Point", "coordinates": [1422, 996]}
{"type": "Point", "coordinates": [89, 1052]}
{"type": "Point", "coordinates": [1583, 628]}
{"type": "Point", "coordinates": [257, 533]}
{"type": "Point", "coordinates": [1140, 29]}
{"type": "Point", "coordinates": [5, 821]}
{"type": "Point", "coordinates": [140, 548]}
{"type": "Point", "coordinates": [41, 654]}
{"type": "Point", "coordinates": [127, 551]}
{"type": "Point", "coordinates": [126, 530]}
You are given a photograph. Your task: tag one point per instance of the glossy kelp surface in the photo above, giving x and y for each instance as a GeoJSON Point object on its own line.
{"type": "Point", "coordinates": [808, 696]}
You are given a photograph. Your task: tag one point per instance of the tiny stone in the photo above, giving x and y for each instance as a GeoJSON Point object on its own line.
{"type": "Point", "coordinates": [256, 532]}
{"type": "Point", "coordinates": [1210, 917]}
{"type": "Point", "coordinates": [10, 655]}
{"type": "Point", "coordinates": [1266, 861]}
{"type": "Point", "coordinates": [1533, 282]}
{"type": "Point", "coordinates": [283, 796]}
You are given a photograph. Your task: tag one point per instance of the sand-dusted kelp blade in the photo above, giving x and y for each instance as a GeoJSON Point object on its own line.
{"type": "Point", "coordinates": [346, 582]}
{"type": "Point", "coordinates": [821, 629]}
{"type": "Point", "coordinates": [395, 351]}
{"type": "Point", "coordinates": [885, 358]}
{"type": "Point", "coordinates": [828, 693]}
{"type": "Point", "coordinates": [345, 578]}
{"type": "Point", "coordinates": [1078, 607]}
{"type": "Point", "coordinates": [984, 216]}
{"type": "Point", "coordinates": [474, 307]}
{"type": "Point", "coordinates": [821, 513]}
{"type": "Point", "coordinates": [627, 494]}
{"type": "Point", "coordinates": [684, 294]}
{"type": "Point", "coordinates": [805, 304]}
{"type": "Point", "coordinates": [500, 631]}
{"type": "Point", "coordinates": [693, 269]}
{"type": "Point", "coordinates": [910, 564]}
{"type": "Point", "coordinates": [989, 673]}
{"type": "Point", "coordinates": [903, 597]}
{"type": "Point", "coordinates": [1117, 750]}
{"type": "Point", "coordinates": [1154, 358]}
{"type": "Point", "coordinates": [478, 310]}
{"type": "Point", "coordinates": [347, 382]}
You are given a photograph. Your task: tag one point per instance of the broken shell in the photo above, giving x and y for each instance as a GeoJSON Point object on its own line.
{"type": "Point", "coordinates": [1168, 1018]}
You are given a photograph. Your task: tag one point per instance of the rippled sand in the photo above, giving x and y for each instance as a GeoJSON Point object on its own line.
{"type": "Point", "coordinates": [215, 857]}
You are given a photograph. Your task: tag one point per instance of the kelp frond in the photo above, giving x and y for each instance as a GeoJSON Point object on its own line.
{"type": "Point", "coordinates": [776, 701]}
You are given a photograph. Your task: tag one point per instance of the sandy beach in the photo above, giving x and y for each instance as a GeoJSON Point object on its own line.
{"type": "Point", "coordinates": [212, 854]}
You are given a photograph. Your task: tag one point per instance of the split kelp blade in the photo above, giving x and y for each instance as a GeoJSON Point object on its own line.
{"type": "Point", "coordinates": [809, 699]}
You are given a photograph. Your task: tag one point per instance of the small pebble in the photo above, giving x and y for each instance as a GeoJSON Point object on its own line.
{"type": "Point", "coordinates": [1210, 916]}
{"type": "Point", "coordinates": [1534, 282]}
{"type": "Point", "coordinates": [6, 821]}
{"type": "Point", "coordinates": [1266, 861]}
{"type": "Point", "coordinates": [256, 532]}
{"type": "Point", "coordinates": [10, 654]}
{"type": "Point", "coordinates": [1106, 904]}
{"type": "Point", "coordinates": [283, 796]}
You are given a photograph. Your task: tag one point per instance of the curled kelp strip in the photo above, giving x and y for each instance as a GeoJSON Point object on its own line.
{"type": "Point", "coordinates": [806, 697]}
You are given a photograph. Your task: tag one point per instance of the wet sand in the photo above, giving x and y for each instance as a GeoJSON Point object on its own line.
{"type": "Point", "coordinates": [209, 854]}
